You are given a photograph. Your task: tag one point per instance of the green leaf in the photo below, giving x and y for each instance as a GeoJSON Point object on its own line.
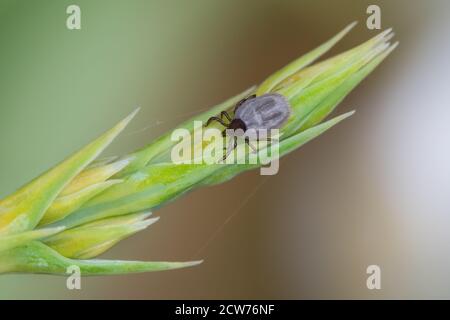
{"type": "Point", "coordinates": [311, 97]}
{"type": "Point", "coordinates": [325, 107]}
{"type": "Point", "coordinates": [92, 239]}
{"type": "Point", "coordinates": [36, 257]}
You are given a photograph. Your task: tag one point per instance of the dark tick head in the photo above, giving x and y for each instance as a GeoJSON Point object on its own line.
{"type": "Point", "coordinates": [237, 124]}
{"type": "Point", "coordinates": [236, 127]}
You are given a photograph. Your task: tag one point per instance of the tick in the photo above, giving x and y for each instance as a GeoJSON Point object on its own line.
{"type": "Point", "coordinates": [265, 112]}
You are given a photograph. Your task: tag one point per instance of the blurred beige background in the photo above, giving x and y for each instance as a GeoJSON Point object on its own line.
{"type": "Point", "coordinates": [373, 190]}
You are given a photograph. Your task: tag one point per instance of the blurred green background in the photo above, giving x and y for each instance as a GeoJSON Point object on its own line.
{"type": "Point", "coordinates": [373, 190]}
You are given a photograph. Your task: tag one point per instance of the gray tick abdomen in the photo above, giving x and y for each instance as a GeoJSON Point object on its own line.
{"type": "Point", "coordinates": [269, 111]}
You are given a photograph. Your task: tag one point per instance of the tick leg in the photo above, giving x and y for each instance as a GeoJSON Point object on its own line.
{"type": "Point", "coordinates": [216, 119]}
{"type": "Point", "coordinates": [247, 141]}
{"type": "Point", "coordinates": [229, 148]}
{"type": "Point", "coordinates": [224, 113]}
{"type": "Point", "coordinates": [264, 138]}
{"type": "Point", "coordinates": [242, 101]}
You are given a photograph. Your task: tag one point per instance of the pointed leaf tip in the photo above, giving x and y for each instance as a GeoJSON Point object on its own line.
{"type": "Point", "coordinates": [298, 64]}
{"type": "Point", "coordinates": [23, 259]}
{"type": "Point", "coordinates": [192, 263]}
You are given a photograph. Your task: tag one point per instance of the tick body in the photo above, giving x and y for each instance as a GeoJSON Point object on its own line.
{"type": "Point", "coordinates": [266, 112]}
